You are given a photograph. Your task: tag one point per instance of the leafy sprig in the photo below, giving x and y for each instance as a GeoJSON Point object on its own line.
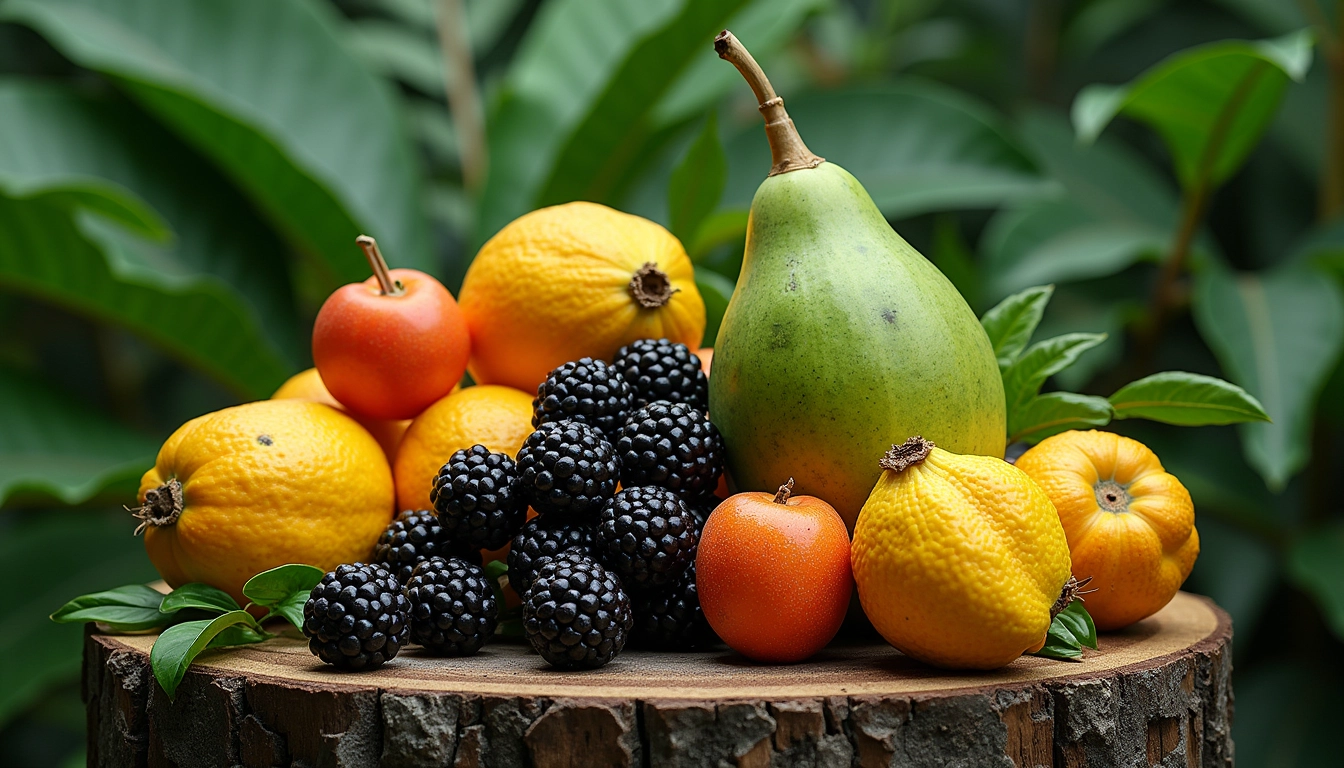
{"type": "Point", "coordinates": [195, 617]}
{"type": "Point", "coordinates": [1070, 631]}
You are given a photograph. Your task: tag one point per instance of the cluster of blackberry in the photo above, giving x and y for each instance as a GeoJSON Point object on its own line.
{"type": "Point", "coordinates": [593, 568]}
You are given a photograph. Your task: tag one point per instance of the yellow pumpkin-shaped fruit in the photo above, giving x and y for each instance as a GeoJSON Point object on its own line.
{"type": "Point", "coordinates": [571, 281]}
{"type": "Point", "coordinates": [1131, 524]}
{"type": "Point", "coordinates": [242, 490]}
{"type": "Point", "coordinates": [308, 385]}
{"type": "Point", "coordinates": [960, 561]}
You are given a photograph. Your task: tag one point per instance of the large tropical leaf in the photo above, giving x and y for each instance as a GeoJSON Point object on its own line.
{"type": "Point", "coordinates": [266, 89]}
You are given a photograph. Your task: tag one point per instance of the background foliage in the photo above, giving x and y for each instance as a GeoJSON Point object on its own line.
{"type": "Point", "coordinates": [181, 182]}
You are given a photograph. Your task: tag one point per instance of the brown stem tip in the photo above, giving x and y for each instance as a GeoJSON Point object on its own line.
{"type": "Point", "coordinates": [908, 454]}
{"type": "Point", "coordinates": [1073, 590]}
{"type": "Point", "coordinates": [787, 149]}
{"type": "Point", "coordinates": [379, 266]}
{"type": "Point", "coordinates": [163, 505]}
{"type": "Point", "coordinates": [651, 287]}
{"type": "Point", "coordinates": [785, 490]}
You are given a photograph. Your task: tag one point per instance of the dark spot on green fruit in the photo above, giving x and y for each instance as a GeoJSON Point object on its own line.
{"type": "Point", "coordinates": [889, 316]}
{"type": "Point", "coordinates": [265, 440]}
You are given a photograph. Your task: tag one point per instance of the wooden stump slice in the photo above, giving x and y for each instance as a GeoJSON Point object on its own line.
{"type": "Point", "coordinates": [1156, 694]}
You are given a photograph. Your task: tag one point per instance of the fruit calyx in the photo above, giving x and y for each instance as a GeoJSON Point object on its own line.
{"type": "Point", "coordinates": [162, 507]}
{"type": "Point", "coordinates": [388, 286]}
{"type": "Point", "coordinates": [787, 149]}
{"type": "Point", "coordinates": [651, 287]}
{"type": "Point", "coordinates": [1073, 590]}
{"type": "Point", "coordinates": [1112, 496]}
{"type": "Point", "coordinates": [784, 492]}
{"type": "Point", "coordinates": [908, 454]}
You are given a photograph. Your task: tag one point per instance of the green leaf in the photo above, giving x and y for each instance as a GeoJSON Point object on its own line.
{"type": "Point", "coordinates": [1011, 322]}
{"type": "Point", "coordinates": [697, 183]}
{"type": "Point", "coordinates": [1316, 564]}
{"type": "Point", "coordinates": [291, 608]}
{"type": "Point", "coordinates": [125, 609]}
{"type": "Point", "coordinates": [1186, 399]}
{"type": "Point", "coordinates": [56, 447]}
{"type": "Point", "coordinates": [1210, 104]}
{"type": "Point", "coordinates": [1278, 335]}
{"type": "Point", "coordinates": [1024, 378]}
{"type": "Point", "coordinates": [916, 146]}
{"type": "Point", "coordinates": [717, 291]}
{"type": "Point", "coordinates": [496, 568]}
{"type": "Point", "coordinates": [200, 596]}
{"type": "Point", "coordinates": [312, 136]}
{"type": "Point", "coordinates": [1069, 632]}
{"type": "Point", "coordinates": [1055, 412]}
{"type": "Point", "coordinates": [180, 644]}
{"type": "Point", "coordinates": [718, 229]}
{"type": "Point", "coordinates": [276, 585]}
{"type": "Point", "coordinates": [397, 51]}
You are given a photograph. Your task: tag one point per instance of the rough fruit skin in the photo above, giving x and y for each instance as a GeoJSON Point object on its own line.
{"type": "Point", "coordinates": [356, 617]}
{"type": "Point", "coordinates": [478, 499]}
{"type": "Point", "coordinates": [567, 467]}
{"type": "Point", "coordinates": [774, 579]}
{"type": "Point", "coordinates": [499, 418]}
{"type": "Point", "coordinates": [265, 484]}
{"type": "Point", "coordinates": [658, 369]}
{"type": "Point", "coordinates": [408, 541]}
{"type": "Point", "coordinates": [307, 385]}
{"type": "Point", "coordinates": [958, 560]}
{"type": "Point", "coordinates": [543, 538]}
{"type": "Point", "coordinates": [1137, 553]}
{"type": "Point", "coordinates": [647, 536]}
{"type": "Point", "coordinates": [576, 615]}
{"type": "Point", "coordinates": [671, 619]}
{"type": "Point", "coordinates": [391, 356]}
{"type": "Point", "coordinates": [839, 340]}
{"type": "Point", "coordinates": [453, 611]}
{"type": "Point", "coordinates": [584, 390]}
{"type": "Point", "coordinates": [553, 286]}
{"type": "Point", "coordinates": [673, 446]}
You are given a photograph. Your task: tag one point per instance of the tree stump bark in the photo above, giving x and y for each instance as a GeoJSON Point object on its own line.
{"type": "Point", "coordinates": [1156, 694]}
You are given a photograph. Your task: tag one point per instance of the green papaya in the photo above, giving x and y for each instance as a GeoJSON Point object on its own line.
{"type": "Point", "coordinates": [840, 338]}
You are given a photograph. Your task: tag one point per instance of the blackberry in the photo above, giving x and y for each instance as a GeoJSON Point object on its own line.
{"type": "Point", "coordinates": [576, 615]}
{"type": "Point", "coordinates": [673, 446]}
{"type": "Point", "coordinates": [671, 620]}
{"type": "Point", "coordinates": [541, 539]}
{"type": "Point", "coordinates": [408, 541]}
{"type": "Point", "coordinates": [567, 466]}
{"type": "Point", "coordinates": [647, 536]}
{"type": "Point", "coordinates": [476, 493]}
{"type": "Point", "coordinates": [585, 390]}
{"type": "Point", "coordinates": [657, 369]}
{"type": "Point", "coordinates": [355, 617]}
{"type": "Point", "coordinates": [453, 611]}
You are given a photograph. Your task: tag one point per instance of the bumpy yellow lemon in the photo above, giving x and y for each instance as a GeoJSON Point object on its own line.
{"type": "Point", "coordinates": [959, 560]}
{"type": "Point", "coordinates": [249, 488]}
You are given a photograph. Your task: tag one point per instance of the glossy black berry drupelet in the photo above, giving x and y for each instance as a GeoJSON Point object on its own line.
{"type": "Point", "coordinates": [585, 390]}
{"type": "Point", "coordinates": [647, 536]}
{"type": "Point", "coordinates": [356, 617]}
{"type": "Point", "coordinates": [672, 619]}
{"type": "Point", "coordinates": [478, 498]}
{"type": "Point", "coordinates": [700, 508]}
{"type": "Point", "coordinates": [567, 467]}
{"type": "Point", "coordinates": [453, 608]}
{"type": "Point", "coordinates": [673, 446]}
{"type": "Point", "coordinates": [543, 538]}
{"type": "Point", "coordinates": [408, 541]}
{"type": "Point", "coordinates": [657, 369]}
{"type": "Point", "coordinates": [576, 615]}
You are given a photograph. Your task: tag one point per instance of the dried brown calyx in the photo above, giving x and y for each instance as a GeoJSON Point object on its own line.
{"type": "Point", "coordinates": [908, 454]}
{"type": "Point", "coordinates": [163, 505]}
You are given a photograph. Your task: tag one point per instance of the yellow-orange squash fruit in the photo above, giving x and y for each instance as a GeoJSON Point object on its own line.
{"type": "Point", "coordinates": [571, 281]}
{"type": "Point", "coordinates": [308, 385]}
{"type": "Point", "coordinates": [500, 418]}
{"type": "Point", "coordinates": [242, 490]}
{"type": "Point", "coordinates": [1131, 524]}
{"type": "Point", "coordinates": [960, 561]}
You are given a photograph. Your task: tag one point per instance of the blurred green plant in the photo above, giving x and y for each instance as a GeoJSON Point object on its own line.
{"type": "Point", "coordinates": [181, 182]}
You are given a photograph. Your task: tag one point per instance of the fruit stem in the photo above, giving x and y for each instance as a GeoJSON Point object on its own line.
{"type": "Point", "coordinates": [1073, 590]}
{"type": "Point", "coordinates": [651, 287]}
{"type": "Point", "coordinates": [379, 266]}
{"type": "Point", "coordinates": [785, 490]}
{"type": "Point", "coordinates": [908, 454]}
{"type": "Point", "coordinates": [163, 505]}
{"type": "Point", "coordinates": [787, 149]}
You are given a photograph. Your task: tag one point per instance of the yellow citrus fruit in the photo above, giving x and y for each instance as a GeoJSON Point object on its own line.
{"type": "Point", "coordinates": [571, 281]}
{"type": "Point", "coordinates": [307, 385]}
{"type": "Point", "coordinates": [500, 418]}
{"type": "Point", "coordinates": [959, 560]}
{"type": "Point", "coordinates": [1131, 524]}
{"type": "Point", "coordinates": [248, 488]}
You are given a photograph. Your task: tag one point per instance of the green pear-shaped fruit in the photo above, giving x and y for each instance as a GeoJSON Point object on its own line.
{"type": "Point", "coordinates": [840, 339]}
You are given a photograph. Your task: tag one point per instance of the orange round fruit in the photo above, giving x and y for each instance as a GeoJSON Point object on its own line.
{"type": "Point", "coordinates": [500, 418]}
{"type": "Point", "coordinates": [571, 281]}
{"type": "Point", "coordinates": [706, 355]}
{"type": "Point", "coordinates": [773, 574]}
{"type": "Point", "coordinates": [242, 490]}
{"type": "Point", "coordinates": [307, 385]}
{"type": "Point", "coordinates": [1130, 523]}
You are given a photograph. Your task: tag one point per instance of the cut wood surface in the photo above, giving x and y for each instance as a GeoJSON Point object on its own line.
{"type": "Point", "coordinates": [1157, 693]}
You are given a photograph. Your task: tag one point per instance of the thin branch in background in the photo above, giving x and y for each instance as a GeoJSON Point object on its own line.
{"type": "Point", "coordinates": [1042, 46]}
{"type": "Point", "coordinates": [1331, 203]}
{"type": "Point", "coordinates": [464, 99]}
